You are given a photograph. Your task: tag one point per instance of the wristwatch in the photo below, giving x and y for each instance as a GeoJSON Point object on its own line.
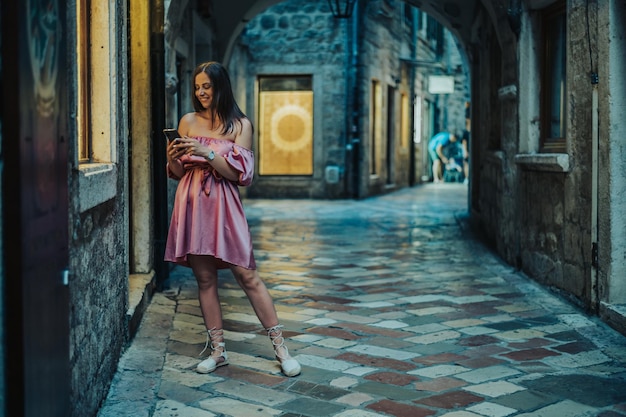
{"type": "Point", "coordinates": [211, 155]}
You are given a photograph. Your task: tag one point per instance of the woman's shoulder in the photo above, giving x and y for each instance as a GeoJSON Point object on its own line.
{"type": "Point", "coordinates": [193, 125]}
{"type": "Point", "coordinates": [245, 121]}
{"type": "Point", "coordinates": [239, 125]}
{"type": "Point", "coordinates": [189, 117]}
{"type": "Point", "coordinates": [187, 121]}
{"type": "Point", "coordinates": [243, 136]}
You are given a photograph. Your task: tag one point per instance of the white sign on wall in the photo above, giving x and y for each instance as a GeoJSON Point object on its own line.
{"type": "Point", "coordinates": [440, 84]}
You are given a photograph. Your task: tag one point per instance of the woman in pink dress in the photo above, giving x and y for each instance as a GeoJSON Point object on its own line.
{"type": "Point", "coordinates": [208, 229]}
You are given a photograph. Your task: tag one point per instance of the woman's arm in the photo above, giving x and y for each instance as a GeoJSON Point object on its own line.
{"type": "Point", "coordinates": [174, 153]}
{"type": "Point", "coordinates": [243, 139]}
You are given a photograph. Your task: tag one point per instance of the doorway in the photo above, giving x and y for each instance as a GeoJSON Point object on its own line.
{"type": "Point", "coordinates": [35, 199]}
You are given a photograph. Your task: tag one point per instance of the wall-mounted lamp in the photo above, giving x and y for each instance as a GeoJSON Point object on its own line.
{"type": "Point", "coordinates": [341, 9]}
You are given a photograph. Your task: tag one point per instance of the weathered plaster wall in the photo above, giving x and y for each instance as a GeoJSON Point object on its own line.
{"type": "Point", "coordinates": [142, 216]}
{"type": "Point", "coordinates": [612, 172]}
{"type": "Point", "coordinates": [615, 129]}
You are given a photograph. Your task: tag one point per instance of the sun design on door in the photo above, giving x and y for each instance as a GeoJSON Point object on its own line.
{"type": "Point", "coordinates": [286, 133]}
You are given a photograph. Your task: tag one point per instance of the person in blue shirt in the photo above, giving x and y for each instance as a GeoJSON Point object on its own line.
{"type": "Point", "coordinates": [435, 148]}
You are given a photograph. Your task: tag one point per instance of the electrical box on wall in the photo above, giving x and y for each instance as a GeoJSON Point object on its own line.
{"type": "Point", "coordinates": [332, 174]}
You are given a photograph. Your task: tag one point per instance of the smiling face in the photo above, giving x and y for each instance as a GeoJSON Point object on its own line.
{"type": "Point", "coordinates": [212, 94]}
{"type": "Point", "coordinates": [203, 89]}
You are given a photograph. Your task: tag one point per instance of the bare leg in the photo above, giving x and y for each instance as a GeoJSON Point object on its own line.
{"type": "Point", "coordinates": [205, 272]}
{"type": "Point", "coordinates": [437, 170]}
{"type": "Point", "coordinates": [206, 276]}
{"type": "Point", "coordinates": [263, 306]}
{"type": "Point", "coordinates": [260, 298]}
{"type": "Point", "coordinates": [466, 170]}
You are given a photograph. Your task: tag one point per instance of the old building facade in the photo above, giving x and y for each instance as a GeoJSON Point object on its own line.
{"type": "Point", "coordinates": [340, 142]}
{"type": "Point", "coordinates": [84, 192]}
{"type": "Point", "coordinates": [358, 110]}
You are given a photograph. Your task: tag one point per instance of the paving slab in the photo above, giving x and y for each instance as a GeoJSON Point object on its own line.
{"type": "Point", "coordinates": [393, 308]}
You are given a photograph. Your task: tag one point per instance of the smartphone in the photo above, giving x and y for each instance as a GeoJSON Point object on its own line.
{"type": "Point", "coordinates": [171, 134]}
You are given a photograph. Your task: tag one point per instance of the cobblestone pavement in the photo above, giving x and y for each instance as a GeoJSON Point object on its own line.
{"type": "Point", "coordinates": [392, 308]}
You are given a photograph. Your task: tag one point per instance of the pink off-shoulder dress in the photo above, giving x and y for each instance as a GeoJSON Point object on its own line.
{"type": "Point", "coordinates": [208, 216]}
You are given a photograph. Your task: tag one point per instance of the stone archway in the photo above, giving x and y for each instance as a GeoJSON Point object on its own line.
{"type": "Point", "coordinates": [233, 18]}
{"type": "Point", "coordinates": [461, 17]}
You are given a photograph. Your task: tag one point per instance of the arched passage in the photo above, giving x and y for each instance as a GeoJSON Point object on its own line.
{"type": "Point", "coordinates": [459, 16]}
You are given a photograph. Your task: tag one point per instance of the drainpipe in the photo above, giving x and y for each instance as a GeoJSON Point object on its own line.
{"type": "Point", "coordinates": [595, 79]}
{"type": "Point", "coordinates": [412, 71]}
{"type": "Point", "coordinates": [348, 68]}
{"type": "Point", "coordinates": [356, 103]}
{"type": "Point", "coordinates": [594, 193]}
{"type": "Point", "coordinates": [159, 177]}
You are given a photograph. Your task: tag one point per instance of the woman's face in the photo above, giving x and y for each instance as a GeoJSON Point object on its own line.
{"type": "Point", "coordinates": [204, 89]}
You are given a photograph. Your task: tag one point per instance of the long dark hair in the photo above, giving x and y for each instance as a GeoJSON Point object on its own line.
{"type": "Point", "coordinates": [223, 104]}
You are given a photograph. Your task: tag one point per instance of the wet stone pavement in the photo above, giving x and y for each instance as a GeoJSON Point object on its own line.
{"type": "Point", "coordinates": [392, 308]}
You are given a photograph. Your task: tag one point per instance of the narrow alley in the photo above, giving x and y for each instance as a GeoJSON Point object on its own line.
{"type": "Point", "coordinates": [392, 308]}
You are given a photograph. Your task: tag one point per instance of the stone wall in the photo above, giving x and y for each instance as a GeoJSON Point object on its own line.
{"type": "Point", "coordinates": [535, 207]}
{"type": "Point", "coordinates": [98, 304]}
{"type": "Point", "coordinates": [488, 158]}
{"type": "Point", "coordinates": [299, 37]}
{"type": "Point", "coordinates": [555, 240]}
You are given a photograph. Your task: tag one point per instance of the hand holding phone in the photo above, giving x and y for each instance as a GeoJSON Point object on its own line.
{"type": "Point", "coordinates": [171, 134]}
{"type": "Point", "coordinates": [173, 137]}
